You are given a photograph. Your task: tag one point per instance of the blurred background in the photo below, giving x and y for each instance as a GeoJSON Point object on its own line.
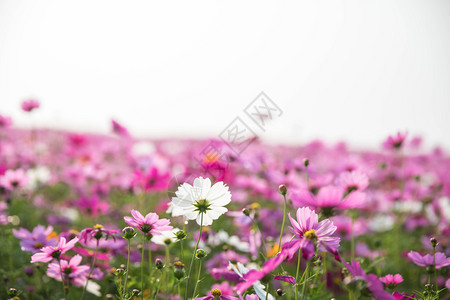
{"type": "Point", "coordinates": [339, 70]}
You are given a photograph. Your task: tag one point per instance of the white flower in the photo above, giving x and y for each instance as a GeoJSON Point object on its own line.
{"type": "Point", "coordinates": [201, 201]}
{"type": "Point", "coordinates": [166, 237]}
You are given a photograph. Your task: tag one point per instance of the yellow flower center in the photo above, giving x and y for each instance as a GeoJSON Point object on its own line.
{"type": "Point", "coordinates": [52, 235]}
{"type": "Point", "coordinates": [98, 226]}
{"type": "Point", "coordinates": [216, 293]}
{"type": "Point", "coordinates": [255, 206]}
{"type": "Point", "coordinates": [310, 235]}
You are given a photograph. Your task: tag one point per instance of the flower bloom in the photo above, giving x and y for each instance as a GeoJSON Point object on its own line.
{"type": "Point", "coordinates": [429, 260]}
{"type": "Point", "coordinates": [201, 201]}
{"type": "Point", "coordinates": [391, 280]}
{"type": "Point", "coordinates": [97, 233]}
{"type": "Point", "coordinates": [241, 271]}
{"type": "Point", "coordinates": [119, 129]}
{"type": "Point", "coordinates": [49, 253]}
{"type": "Point", "coordinates": [329, 198]}
{"type": "Point", "coordinates": [29, 105]}
{"type": "Point", "coordinates": [395, 142]}
{"type": "Point", "coordinates": [311, 232]}
{"type": "Point", "coordinates": [5, 121]}
{"type": "Point", "coordinates": [152, 180]}
{"type": "Point", "coordinates": [353, 181]}
{"type": "Point", "coordinates": [13, 179]}
{"type": "Point", "coordinates": [216, 294]}
{"type": "Point", "coordinates": [150, 224]}
{"type": "Point", "coordinates": [72, 271]}
{"type": "Point", "coordinates": [286, 278]}
{"type": "Point", "coordinates": [33, 241]}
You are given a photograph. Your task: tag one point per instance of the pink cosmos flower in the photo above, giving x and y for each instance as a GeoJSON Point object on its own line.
{"type": "Point", "coordinates": [152, 180]}
{"type": "Point", "coordinates": [395, 142]}
{"type": "Point", "coordinates": [49, 253]}
{"type": "Point", "coordinates": [353, 181]}
{"type": "Point", "coordinates": [286, 278]}
{"type": "Point", "coordinates": [13, 179]}
{"type": "Point", "coordinates": [119, 129]}
{"type": "Point", "coordinates": [428, 260]}
{"type": "Point", "coordinates": [92, 205]}
{"type": "Point", "coordinates": [71, 270]}
{"type": "Point", "coordinates": [5, 121]}
{"type": "Point", "coordinates": [373, 284]}
{"type": "Point", "coordinates": [148, 225]}
{"type": "Point", "coordinates": [312, 232]}
{"type": "Point", "coordinates": [29, 105]}
{"type": "Point", "coordinates": [391, 280]}
{"type": "Point", "coordinates": [216, 294]}
{"type": "Point", "coordinates": [35, 240]}
{"type": "Point", "coordinates": [328, 199]}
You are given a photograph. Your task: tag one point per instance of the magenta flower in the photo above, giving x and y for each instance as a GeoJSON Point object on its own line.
{"type": "Point", "coordinates": [92, 205]}
{"type": "Point", "coordinates": [353, 181]}
{"type": "Point", "coordinates": [328, 199]}
{"type": "Point", "coordinates": [313, 233]}
{"type": "Point", "coordinates": [395, 142]}
{"type": "Point", "coordinates": [148, 225]}
{"type": "Point", "coordinates": [49, 253]}
{"type": "Point", "coordinates": [13, 179]}
{"type": "Point", "coordinates": [152, 180]}
{"type": "Point", "coordinates": [33, 241]}
{"type": "Point", "coordinates": [373, 284]}
{"type": "Point", "coordinates": [286, 278]}
{"type": "Point", "coordinates": [428, 260]}
{"type": "Point", "coordinates": [391, 280]}
{"type": "Point", "coordinates": [29, 105]}
{"type": "Point", "coordinates": [216, 294]}
{"type": "Point", "coordinates": [72, 271]}
{"type": "Point", "coordinates": [119, 129]}
{"type": "Point", "coordinates": [97, 233]}
{"type": "Point", "coordinates": [5, 121]}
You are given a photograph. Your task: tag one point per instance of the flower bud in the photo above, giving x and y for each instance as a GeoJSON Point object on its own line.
{"type": "Point", "coordinates": [433, 242]}
{"type": "Point", "coordinates": [180, 235]}
{"type": "Point", "coordinates": [29, 271]}
{"type": "Point", "coordinates": [179, 270]}
{"type": "Point", "coordinates": [119, 272]}
{"type": "Point", "coordinates": [283, 190]}
{"type": "Point", "coordinates": [306, 162]}
{"type": "Point", "coordinates": [128, 233]}
{"type": "Point", "coordinates": [200, 253]}
{"type": "Point", "coordinates": [135, 292]}
{"type": "Point", "coordinates": [12, 292]}
{"type": "Point", "coordinates": [159, 264]}
{"type": "Point", "coordinates": [279, 292]}
{"type": "Point", "coordinates": [246, 212]}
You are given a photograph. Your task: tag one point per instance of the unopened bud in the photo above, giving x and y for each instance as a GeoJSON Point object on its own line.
{"type": "Point", "coordinates": [128, 233]}
{"type": "Point", "coordinates": [246, 212]}
{"type": "Point", "coordinates": [283, 190]}
{"type": "Point", "coordinates": [279, 292]}
{"type": "Point", "coordinates": [200, 253]}
{"type": "Point", "coordinates": [119, 272]}
{"type": "Point", "coordinates": [306, 162]}
{"type": "Point", "coordinates": [135, 292]}
{"type": "Point", "coordinates": [433, 242]}
{"type": "Point", "coordinates": [159, 264]}
{"type": "Point", "coordinates": [12, 292]}
{"type": "Point", "coordinates": [180, 235]}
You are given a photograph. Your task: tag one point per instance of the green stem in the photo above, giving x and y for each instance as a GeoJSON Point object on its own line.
{"type": "Point", "coordinates": [159, 284]}
{"type": "Point", "coordinates": [198, 276]}
{"type": "Point", "coordinates": [142, 270]}
{"type": "Point", "coordinates": [193, 255]}
{"type": "Point", "coordinates": [179, 290]}
{"type": "Point", "coordinates": [299, 258]}
{"type": "Point", "coordinates": [262, 238]}
{"type": "Point", "coordinates": [62, 279]}
{"type": "Point", "coordinates": [267, 291]}
{"type": "Point", "coordinates": [305, 274]}
{"type": "Point", "coordinates": [150, 262]}
{"type": "Point", "coordinates": [435, 271]}
{"type": "Point", "coordinates": [92, 269]}
{"type": "Point", "coordinates": [128, 269]}
{"type": "Point", "coordinates": [282, 225]}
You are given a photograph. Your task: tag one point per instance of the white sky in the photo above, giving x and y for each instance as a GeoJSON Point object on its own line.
{"type": "Point", "coordinates": [353, 70]}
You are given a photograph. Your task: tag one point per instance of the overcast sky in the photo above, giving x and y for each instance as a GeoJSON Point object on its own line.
{"type": "Point", "coordinates": [351, 70]}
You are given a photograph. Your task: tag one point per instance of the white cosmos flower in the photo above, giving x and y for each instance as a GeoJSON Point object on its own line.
{"type": "Point", "coordinates": [201, 201]}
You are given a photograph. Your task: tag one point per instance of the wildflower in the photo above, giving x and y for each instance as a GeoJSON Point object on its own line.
{"type": "Point", "coordinates": [97, 233]}
{"type": "Point", "coordinates": [5, 121]}
{"type": "Point", "coordinates": [313, 233]}
{"type": "Point", "coordinates": [13, 179]}
{"type": "Point", "coordinates": [152, 180]}
{"type": "Point", "coordinates": [395, 142]}
{"type": "Point", "coordinates": [119, 129]}
{"type": "Point", "coordinates": [166, 237]}
{"type": "Point", "coordinates": [149, 225]}
{"type": "Point", "coordinates": [353, 181]}
{"type": "Point", "coordinates": [242, 271]}
{"type": "Point", "coordinates": [286, 278]}
{"type": "Point", "coordinates": [202, 202]}
{"type": "Point", "coordinates": [391, 280]}
{"type": "Point", "coordinates": [75, 273]}
{"type": "Point", "coordinates": [429, 260]}
{"type": "Point", "coordinates": [328, 199]}
{"type": "Point", "coordinates": [49, 253]}
{"type": "Point", "coordinates": [29, 105]}
{"type": "Point", "coordinates": [216, 294]}
{"type": "Point", "coordinates": [33, 241]}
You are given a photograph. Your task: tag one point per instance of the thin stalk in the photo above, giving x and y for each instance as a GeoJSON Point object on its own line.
{"type": "Point", "coordinates": [193, 255]}
{"type": "Point", "coordinates": [142, 271]}
{"type": "Point", "coordinates": [179, 290]}
{"type": "Point", "coordinates": [62, 279]}
{"type": "Point", "coordinates": [305, 274]}
{"type": "Point", "coordinates": [198, 276]}
{"type": "Point", "coordinates": [296, 274]}
{"type": "Point", "coordinates": [92, 269]}
{"type": "Point", "coordinates": [128, 269]}
{"type": "Point", "coordinates": [166, 273]}
{"type": "Point", "coordinates": [282, 225]}
{"type": "Point", "coordinates": [159, 284]}
{"type": "Point", "coordinates": [267, 291]}
{"type": "Point", "coordinates": [435, 271]}
{"type": "Point", "coordinates": [150, 262]}
{"type": "Point", "coordinates": [262, 237]}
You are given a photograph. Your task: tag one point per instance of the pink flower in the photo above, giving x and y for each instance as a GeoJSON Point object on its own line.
{"type": "Point", "coordinates": [328, 199]}
{"type": "Point", "coordinates": [312, 232]}
{"type": "Point", "coordinates": [216, 294]}
{"type": "Point", "coordinates": [152, 180]}
{"type": "Point", "coordinates": [353, 181]}
{"type": "Point", "coordinates": [49, 253]}
{"type": "Point", "coordinates": [29, 105]}
{"type": "Point", "coordinates": [395, 142]}
{"type": "Point", "coordinates": [428, 260]}
{"type": "Point", "coordinates": [119, 129]}
{"type": "Point", "coordinates": [13, 179]}
{"type": "Point", "coordinates": [35, 240]}
{"type": "Point", "coordinates": [286, 278]}
{"type": "Point", "coordinates": [75, 273]}
{"type": "Point", "coordinates": [148, 225]}
{"type": "Point", "coordinates": [5, 121]}
{"type": "Point", "coordinates": [391, 280]}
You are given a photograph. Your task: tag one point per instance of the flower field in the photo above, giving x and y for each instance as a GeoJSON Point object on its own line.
{"type": "Point", "coordinates": [85, 216]}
